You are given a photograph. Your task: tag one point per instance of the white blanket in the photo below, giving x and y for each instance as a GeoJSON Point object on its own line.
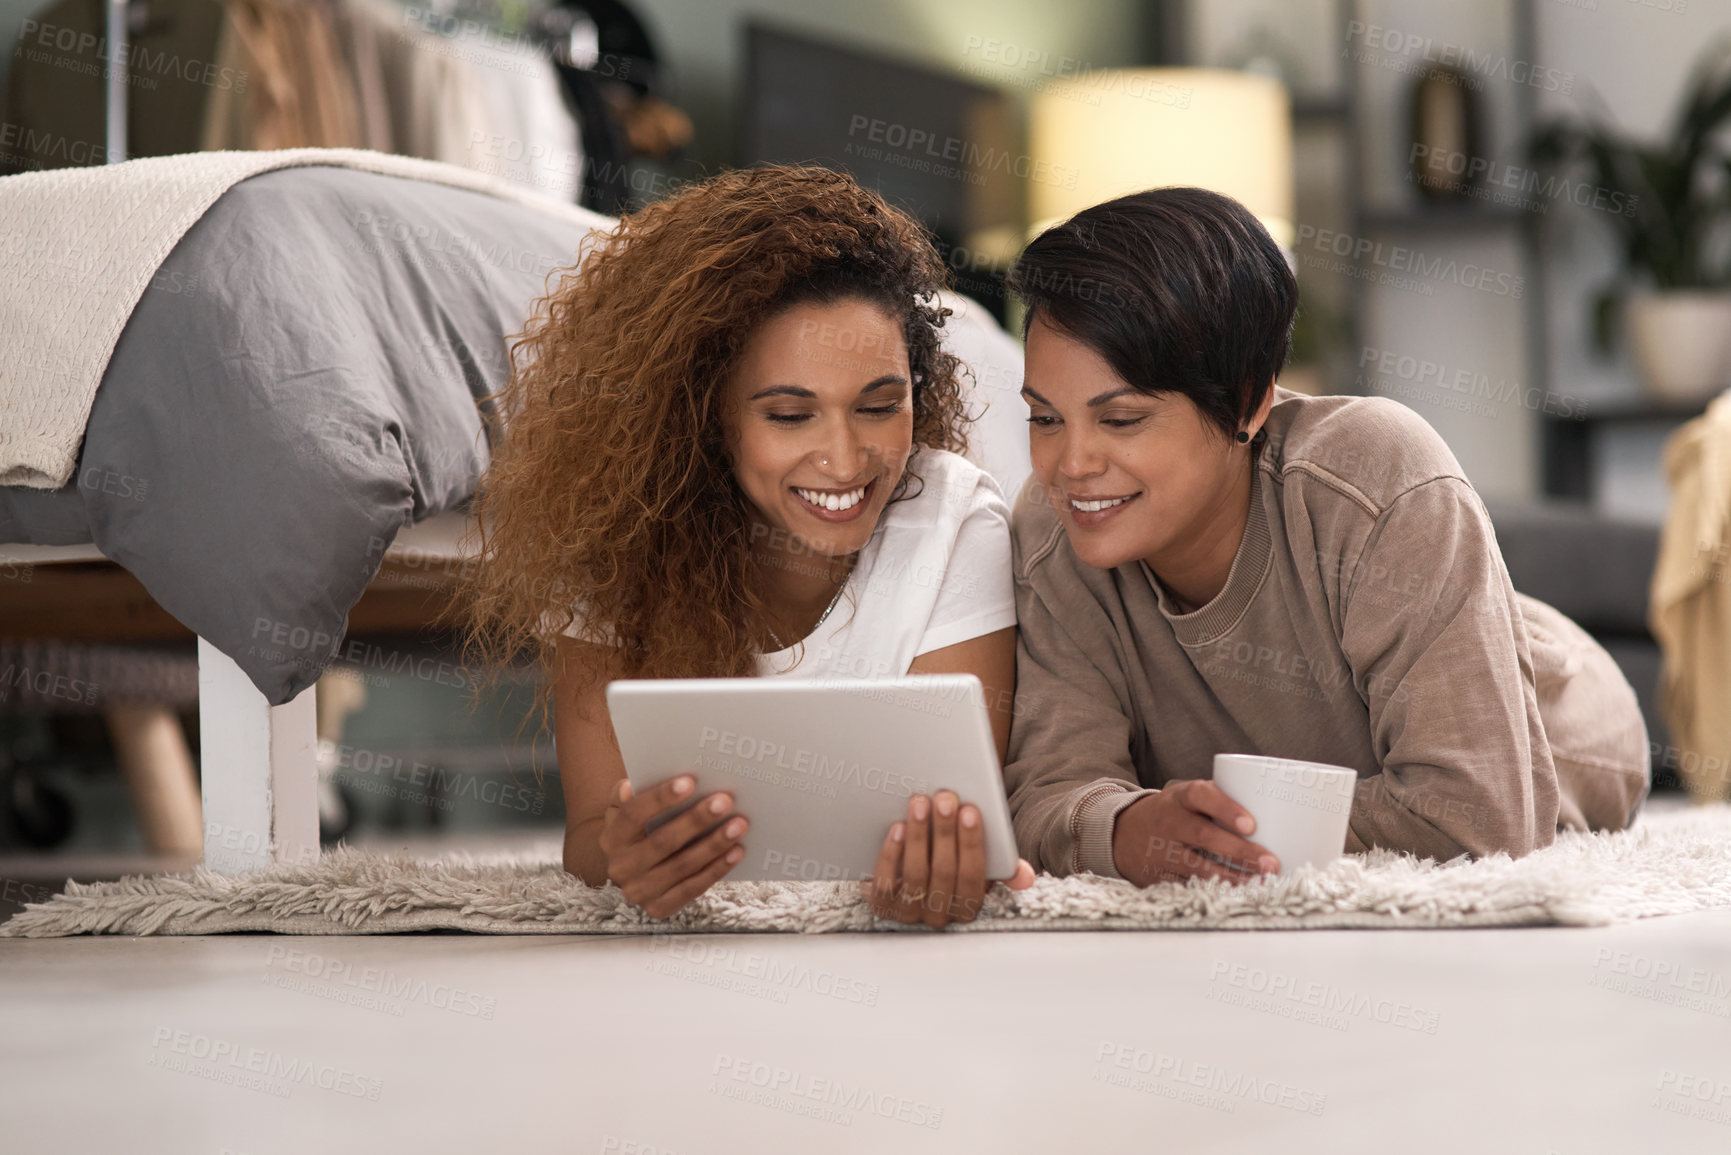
{"type": "Point", "coordinates": [79, 247]}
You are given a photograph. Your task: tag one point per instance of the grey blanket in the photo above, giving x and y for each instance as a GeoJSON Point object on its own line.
{"type": "Point", "coordinates": [301, 380]}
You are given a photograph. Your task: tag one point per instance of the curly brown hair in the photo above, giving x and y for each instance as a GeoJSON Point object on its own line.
{"type": "Point", "coordinates": [612, 484]}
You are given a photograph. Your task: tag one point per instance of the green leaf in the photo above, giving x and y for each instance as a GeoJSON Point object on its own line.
{"type": "Point", "coordinates": [1678, 189]}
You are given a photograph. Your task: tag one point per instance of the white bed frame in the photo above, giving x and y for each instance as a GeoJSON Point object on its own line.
{"type": "Point", "coordinates": [258, 762]}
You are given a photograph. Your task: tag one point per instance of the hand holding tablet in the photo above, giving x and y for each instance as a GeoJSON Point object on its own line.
{"type": "Point", "coordinates": [822, 768]}
{"type": "Point", "coordinates": [932, 865]}
{"type": "Point", "coordinates": [661, 867]}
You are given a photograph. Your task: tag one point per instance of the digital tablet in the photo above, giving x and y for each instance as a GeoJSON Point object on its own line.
{"type": "Point", "coordinates": [821, 767]}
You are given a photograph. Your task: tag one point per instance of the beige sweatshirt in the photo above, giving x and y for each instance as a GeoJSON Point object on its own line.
{"type": "Point", "coordinates": [1367, 621]}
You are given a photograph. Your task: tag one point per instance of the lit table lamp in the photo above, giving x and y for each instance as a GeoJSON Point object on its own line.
{"type": "Point", "coordinates": [1098, 135]}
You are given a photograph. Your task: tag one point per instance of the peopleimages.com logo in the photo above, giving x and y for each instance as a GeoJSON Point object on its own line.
{"type": "Point", "coordinates": [759, 758]}
{"type": "Point", "coordinates": [259, 1068]}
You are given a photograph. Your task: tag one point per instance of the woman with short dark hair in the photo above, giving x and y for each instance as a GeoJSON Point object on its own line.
{"type": "Point", "coordinates": [1207, 563]}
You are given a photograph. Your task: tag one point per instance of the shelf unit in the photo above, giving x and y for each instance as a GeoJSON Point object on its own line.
{"type": "Point", "coordinates": [1568, 447]}
{"type": "Point", "coordinates": [1376, 222]}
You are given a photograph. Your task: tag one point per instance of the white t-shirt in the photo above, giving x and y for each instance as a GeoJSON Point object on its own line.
{"type": "Point", "coordinates": [935, 572]}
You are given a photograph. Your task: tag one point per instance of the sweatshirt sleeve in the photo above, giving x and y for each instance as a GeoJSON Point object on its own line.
{"type": "Point", "coordinates": [1438, 653]}
{"type": "Point", "coordinates": [1069, 772]}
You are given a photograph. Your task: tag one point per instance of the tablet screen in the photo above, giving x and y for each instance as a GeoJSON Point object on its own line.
{"type": "Point", "coordinates": [820, 767]}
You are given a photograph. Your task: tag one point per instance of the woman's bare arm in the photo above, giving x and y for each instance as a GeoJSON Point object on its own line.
{"type": "Point", "coordinates": [607, 837]}
{"type": "Point", "coordinates": [992, 659]}
{"type": "Point", "coordinates": [590, 765]}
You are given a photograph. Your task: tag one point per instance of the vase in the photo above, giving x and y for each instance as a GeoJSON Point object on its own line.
{"type": "Point", "coordinates": [1446, 135]}
{"type": "Point", "coordinates": [1682, 343]}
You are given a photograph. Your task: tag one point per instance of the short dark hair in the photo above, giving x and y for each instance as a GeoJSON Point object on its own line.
{"type": "Point", "coordinates": [1181, 290]}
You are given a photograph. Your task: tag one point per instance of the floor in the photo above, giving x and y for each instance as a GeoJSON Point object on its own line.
{"type": "Point", "coordinates": [1540, 1040]}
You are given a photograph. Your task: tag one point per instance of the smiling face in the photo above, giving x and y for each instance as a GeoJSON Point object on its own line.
{"type": "Point", "coordinates": [820, 422]}
{"type": "Point", "coordinates": [1131, 475]}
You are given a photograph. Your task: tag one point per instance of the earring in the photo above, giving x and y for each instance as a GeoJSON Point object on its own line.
{"type": "Point", "coordinates": [1243, 437]}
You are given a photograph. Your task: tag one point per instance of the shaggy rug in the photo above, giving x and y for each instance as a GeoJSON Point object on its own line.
{"type": "Point", "coordinates": [1668, 863]}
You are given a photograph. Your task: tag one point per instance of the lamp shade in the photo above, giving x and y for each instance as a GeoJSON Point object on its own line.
{"type": "Point", "coordinates": [1100, 135]}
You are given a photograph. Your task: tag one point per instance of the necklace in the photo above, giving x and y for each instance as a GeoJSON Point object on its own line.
{"type": "Point", "coordinates": [776, 638]}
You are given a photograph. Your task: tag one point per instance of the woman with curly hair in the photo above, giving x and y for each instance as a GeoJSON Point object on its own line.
{"type": "Point", "coordinates": [734, 448]}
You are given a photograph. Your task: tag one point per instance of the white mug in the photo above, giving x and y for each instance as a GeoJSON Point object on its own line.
{"type": "Point", "coordinates": [1301, 808]}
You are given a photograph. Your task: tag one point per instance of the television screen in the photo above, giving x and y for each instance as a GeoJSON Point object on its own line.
{"type": "Point", "coordinates": [938, 147]}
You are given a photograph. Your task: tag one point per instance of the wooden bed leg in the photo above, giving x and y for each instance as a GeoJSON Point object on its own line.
{"type": "Point", "coordinates": [259, 768]}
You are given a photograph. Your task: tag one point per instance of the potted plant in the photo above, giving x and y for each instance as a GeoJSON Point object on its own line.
{"type": "Point", "coordinates": [1668, 202]}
